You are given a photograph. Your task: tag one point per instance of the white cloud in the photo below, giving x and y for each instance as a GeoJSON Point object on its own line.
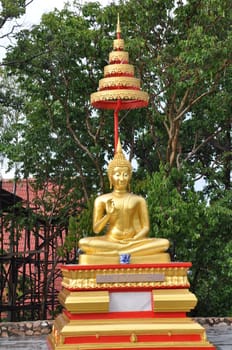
{"type": "Point", "coordinates": [38, 7]}
{"type": "Point", "coordinates": [34, 12]}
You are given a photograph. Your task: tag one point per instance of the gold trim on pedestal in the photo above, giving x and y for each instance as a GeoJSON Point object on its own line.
{"type": "Point", "coordinates": [132, 328]}
{"type": "Point", "coordinates": [121, 326]}
{"type": "Point", "coordinates": [84, 302]}
{"type": "Point", "coordinates": [141, 345]}
{"type": "Point", "coordinates": [173, 300]}
{"type": "Point", "coordinates": [87, 279]}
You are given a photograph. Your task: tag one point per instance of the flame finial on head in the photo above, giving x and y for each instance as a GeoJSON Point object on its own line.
{"type": "Point", "coordinates": [119, 160]}
{"type": "Point", "coordinates": [118, 30]}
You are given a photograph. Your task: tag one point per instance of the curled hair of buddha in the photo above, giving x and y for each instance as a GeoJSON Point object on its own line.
{"type": "Point", "coordinates": [119, 160]}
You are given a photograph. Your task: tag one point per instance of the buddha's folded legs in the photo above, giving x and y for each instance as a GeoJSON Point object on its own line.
{"type": "Point", "coordinates": [99, 246]}
{"type": "Point", "coordinates": [103, 246]}
{"type": "Point", "coordinates": [147, 246]}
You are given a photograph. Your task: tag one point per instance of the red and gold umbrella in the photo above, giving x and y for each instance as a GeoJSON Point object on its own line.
{"type": "Point", "coordinates": [119, 89]}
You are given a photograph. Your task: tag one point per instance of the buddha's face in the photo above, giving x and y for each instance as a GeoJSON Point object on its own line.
{"type": "Point", "coordinates": [120, 178]}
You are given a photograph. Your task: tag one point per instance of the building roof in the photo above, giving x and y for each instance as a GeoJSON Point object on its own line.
{"type": "Point", "coordinates": [7, 199]}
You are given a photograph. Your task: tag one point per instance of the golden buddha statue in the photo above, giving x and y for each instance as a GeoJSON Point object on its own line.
{"type": "Point", "coordinates": [125, 217]}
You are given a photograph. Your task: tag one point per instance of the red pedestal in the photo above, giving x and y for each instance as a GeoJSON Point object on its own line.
{"type": "Point", "coordinates": [134, 306]}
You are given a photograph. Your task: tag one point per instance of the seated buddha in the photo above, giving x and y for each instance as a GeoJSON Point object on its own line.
{"type": "Point", "coordinates": [124, 215]}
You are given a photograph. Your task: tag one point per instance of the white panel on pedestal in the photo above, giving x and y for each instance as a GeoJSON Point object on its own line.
{"type": "Point", "coordinates": [130, 301]}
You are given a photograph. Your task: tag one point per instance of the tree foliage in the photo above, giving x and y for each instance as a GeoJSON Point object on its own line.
{"type": "Point", "coordinates": [184, 62]}
{"type": "Point", "coordinates": [182, 53]}
{"type": "Point", "coordinates": [10, 10]}
{"type": "Point", "coordinates": [199, 232]}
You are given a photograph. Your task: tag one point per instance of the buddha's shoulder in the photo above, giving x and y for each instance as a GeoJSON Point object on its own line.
{"type": "Point", "coordinates": [137, 198]}
{"type": "Point", "coordinates": [103, 197]}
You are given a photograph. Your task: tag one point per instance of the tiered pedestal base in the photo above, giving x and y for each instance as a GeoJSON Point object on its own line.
{"type": "Point", "coordinates": [134, 306]}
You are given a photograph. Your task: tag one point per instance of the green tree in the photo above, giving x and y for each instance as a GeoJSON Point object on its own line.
{"type": "Point", "coordinates": [10, 10]}
{"type": "Point", "coordinates": [182, 53]}
{"type": "Point", "coordinates": [54, 69]}
{"type": "Point", "coordinates": [208, 139]}
{"type": "Point", "coordinates": [199, 233]}
{"type": "Point", "coordinates": [185, 52]}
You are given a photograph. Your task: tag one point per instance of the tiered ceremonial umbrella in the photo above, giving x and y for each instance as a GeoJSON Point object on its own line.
{"type": "Point", "coordinates": [119, 89]}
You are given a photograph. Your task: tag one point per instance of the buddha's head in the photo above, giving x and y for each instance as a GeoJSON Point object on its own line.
{"type": "Point", "coordinates": [119, 165]}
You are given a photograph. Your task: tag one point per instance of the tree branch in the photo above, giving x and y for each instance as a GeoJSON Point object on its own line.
{"type": "Point", "coordinates": [196, 149]}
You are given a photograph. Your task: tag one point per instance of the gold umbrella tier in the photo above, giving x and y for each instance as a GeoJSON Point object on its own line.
{"type": "Point", "coordinates": [119, 57]}
{"type": "Point", "coordinates": [119, 82]}
{"type": "Point", "coordinates": [128, 99]}
{"type": "Point", "coordinates": [118, 44]}
{"type": "Point", "coordinates": [119, 69]}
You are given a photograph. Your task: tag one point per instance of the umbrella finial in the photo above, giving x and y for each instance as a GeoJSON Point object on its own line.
{"type": "Point", "coordinates": [118, 27]}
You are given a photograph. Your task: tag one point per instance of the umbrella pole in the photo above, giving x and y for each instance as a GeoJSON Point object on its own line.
{"type": "Point", "coordinates": [115, 129]}
{"type": "Point", "coordinates": [116, 111]}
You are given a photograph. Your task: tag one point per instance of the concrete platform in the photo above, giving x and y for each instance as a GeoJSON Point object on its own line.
{"type": "Point", "coordinates": [220, 336]}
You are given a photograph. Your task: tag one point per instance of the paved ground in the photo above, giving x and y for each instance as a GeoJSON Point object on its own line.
{"type": "Point", "coordinates": [220, 336]}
